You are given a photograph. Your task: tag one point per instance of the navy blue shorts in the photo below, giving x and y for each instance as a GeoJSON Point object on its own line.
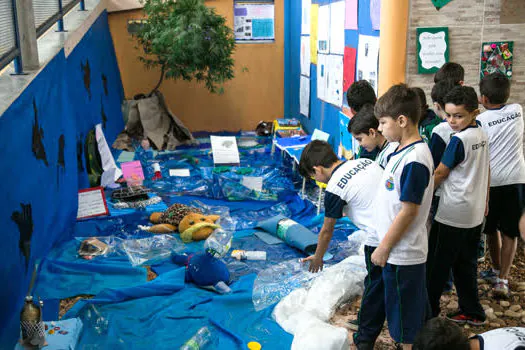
{"type": "Point", "coordinates": [406, 301]}
{"type": "Point", "coordinates": [506, 204]}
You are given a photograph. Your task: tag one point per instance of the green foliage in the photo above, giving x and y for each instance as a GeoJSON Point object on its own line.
{"type": "Point", "coordinates": [188, 41]}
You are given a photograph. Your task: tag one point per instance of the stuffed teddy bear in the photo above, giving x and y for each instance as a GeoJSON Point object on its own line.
{"type": "Point", "coordinates": [192, 225]}
{"type": "Point", "coordinates": [197, 227]}
{"type": "Point", "coordinates": [169, 220]}
{"type": "Point", "coordinates": [205, 271]}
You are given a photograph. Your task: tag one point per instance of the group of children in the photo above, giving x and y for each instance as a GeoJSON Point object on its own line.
{"type": "Point", "coordinates": [453, 167]}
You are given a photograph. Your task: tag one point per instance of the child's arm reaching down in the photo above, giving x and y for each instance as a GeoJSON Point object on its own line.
{"type": "Point", "coordinates": [404, 218]}
{"type": "Point", "coordinates": [325, 235]}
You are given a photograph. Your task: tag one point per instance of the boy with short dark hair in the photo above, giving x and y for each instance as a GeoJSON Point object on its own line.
{"type": "Point", "coordinates": [455, 233]}
{"type": "Point", "coordinates": [350, 191]}
{"type": "Point", "coordinates": [450, 71]}
{"type": "Point", "coordinates": [442, 334]}
{"type": "Point", "coordinates": [359, 95]}
{"type": "Point", "coordinates": [504, 125]}
{"type": "Point", "coordinates": [402, 206]}
{"type": "Point", "coordinates": [363, 127]}
{"type": "Point", "coordinates": [429, 119]}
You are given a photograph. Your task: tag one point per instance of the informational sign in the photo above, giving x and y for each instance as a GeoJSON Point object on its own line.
{"type": "Point", "coordinates": [368, 59]}
{"type": "Point", "coordinates": [254, 22]}
{"type": "Point", "coordinates": [180, 172]}
{"type": "Point", "coordinates": [432, 49]}
{"type": "Point", "coordinates": [224, 149]}
{"type": "Point", "coordinates": [91, 203]}
{"type": "Point", "coordinates": [133, 172]}
{"type": "Point", "coordinates": [111, 171]}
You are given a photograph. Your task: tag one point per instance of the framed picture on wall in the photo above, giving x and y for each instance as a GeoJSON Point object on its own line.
{"type": "Point", "coordinates": [432, 49]}
{"type": "Point", "coordinates": [497, 56]}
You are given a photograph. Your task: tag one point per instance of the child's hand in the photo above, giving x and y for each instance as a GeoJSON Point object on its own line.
{"type": "Point", "coordinates": [316, 264]}
{"type": "Point", "coordinates": [380, 256]}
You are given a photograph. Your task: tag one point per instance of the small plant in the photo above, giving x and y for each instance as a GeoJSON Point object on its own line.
{"type": "Point", "coordinates": [188, 41]}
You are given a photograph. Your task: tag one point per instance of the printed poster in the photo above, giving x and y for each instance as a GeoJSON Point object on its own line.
{"type": "Point", "coordinates": [349, 67]}
{"type": "Point", "coordinates": [375, 13]}
{"type": "Point", "coordinates": [304, 96]}
{"type": "Point", "coordinates": [334, 82]}
{"type": "Point", "coordinates": [314, 13]}
{"type": "Point", "coordinates": [497, 56]}
{"type": "Point", "coordinates": [322, 76]}
{"type": "Point", "coordinates": [337, 27]}
{"type": "Point", "coordinates": [323, 29]}
{"type": "Point", "coordinates": [351, 14]}
{"type": "Point", "coordinates": [305, 55]}
{"type": "Point", "coordinates": [254, 21]}
{"type": "Point", "coordinates": [306, 17]}
{"type": "Point", "coordinates": [367, 59]}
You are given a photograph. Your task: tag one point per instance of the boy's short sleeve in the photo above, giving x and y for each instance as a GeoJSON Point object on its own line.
{"type": "Point", "coordinates": [333, 206]}
{"type": "Point", "coordinates": [454, 154]}
{"type": "Point", "coordinates": [414, 181]}
{"type": "Point", "coordinates": [437, 148]}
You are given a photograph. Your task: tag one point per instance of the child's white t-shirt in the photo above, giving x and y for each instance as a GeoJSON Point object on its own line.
{"type": "Point", "coordinates": [463, 200]}
{"type": "Point", "coordinates": [504, 128]}
{"type": "Point", "coordinates": [408, 177]}
{"type": "Point", "coordinates": [511, 338]}
{"type": "Point", "coordinates": [386, 151]}
{"type": "Point", "coordinates": [351, 190]}
{"type": "Point", "coordinates": [439, 140]}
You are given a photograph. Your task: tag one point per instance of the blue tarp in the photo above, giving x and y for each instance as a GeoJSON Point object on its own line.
{"type": "Point", "coordinates": [40, 135]}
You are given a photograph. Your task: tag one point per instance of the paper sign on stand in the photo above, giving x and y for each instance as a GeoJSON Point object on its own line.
{"type": "Point", "coordinates": [224, 149]}
{"type": "Point", "coordinates": [91, 203]}
{"type": "Point", "coordinates": [111, 171]}
{"type": "Point", "coordinates": [180, 172]}
{"type": "Point", "coordinates": [320, 135]}
{"type": "Point", "coordinates": [133, 173]}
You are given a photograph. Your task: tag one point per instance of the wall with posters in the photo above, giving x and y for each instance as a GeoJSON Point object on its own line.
{"type": "Point", "coordinates": [470, 23]}
{"type": "Point", "coordinates": [340, 49]}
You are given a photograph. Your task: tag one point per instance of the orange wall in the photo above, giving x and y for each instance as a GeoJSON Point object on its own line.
{"type": "Point", "coordinates": [253, 95]}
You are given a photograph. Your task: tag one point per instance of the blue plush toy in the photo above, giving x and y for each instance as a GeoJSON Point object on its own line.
{"type": "Point", "coordinates": [205, 271]}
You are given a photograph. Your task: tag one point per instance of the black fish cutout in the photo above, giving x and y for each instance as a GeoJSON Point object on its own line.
{"type": "Point", "coordinates": [87, 76]}
{"type": "Point", "coordinates": [61, 162]}
{"type": "Point", "coordinates": [103, 114]}
{"type": "Point", "coordinates": [105, 84]}
{"type": "Point", "coordinates": [80, 153]}
{"type": "Point", "coordinates": [38, 134]}
{"type": "Point", "coordinates": [61, 144]}
{"type": "Point", "coordinates": [24, 220]}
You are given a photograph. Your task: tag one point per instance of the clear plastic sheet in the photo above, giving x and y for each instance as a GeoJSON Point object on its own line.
{"type": "Point", "coordinates": [113, 245]}
{"type": "Point", "coordinates": [277, 281]}
{"type": "Point", "coordinates": [151, 250]}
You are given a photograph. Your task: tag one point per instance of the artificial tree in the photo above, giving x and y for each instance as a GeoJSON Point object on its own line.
{"type": "Point", "coordinates": [187, 40]}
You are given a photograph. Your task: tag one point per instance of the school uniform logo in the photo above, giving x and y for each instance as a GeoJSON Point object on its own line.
{"type": "Point", "coordinates": [389, 184]}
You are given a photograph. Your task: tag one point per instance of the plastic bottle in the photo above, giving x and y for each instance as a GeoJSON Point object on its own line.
{"type": "Point", "coordinates": [199, 340]}
{"type": "Point", "coordinates": [249, 255]}
{"type": "Point", "coordinates": [156, 169]}
{"type": "Point", "coordinates": [31, 323]}
{"type": "Point", "coordinates": [218, 243]}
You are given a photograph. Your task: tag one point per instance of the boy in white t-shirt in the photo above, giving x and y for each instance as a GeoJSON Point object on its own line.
{"type": "Point", "coordinates": [402, 207]}
{"type": "Point", "coordinates": [455, 233]}
{"type": "Point", "coordinates": [503, 124]}
{"type": "Point", "coordinates": [363, 127]}
{"type": "Point", "coordinates": [442, 334]}
{"type": "Point", "coordinates": [350, 191]}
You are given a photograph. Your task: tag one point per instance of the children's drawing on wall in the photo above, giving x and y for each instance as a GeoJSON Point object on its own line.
{"type": "Point", "coordinates": [367, 59]}
{"type": "Point", "coordinates": [497, 56]}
